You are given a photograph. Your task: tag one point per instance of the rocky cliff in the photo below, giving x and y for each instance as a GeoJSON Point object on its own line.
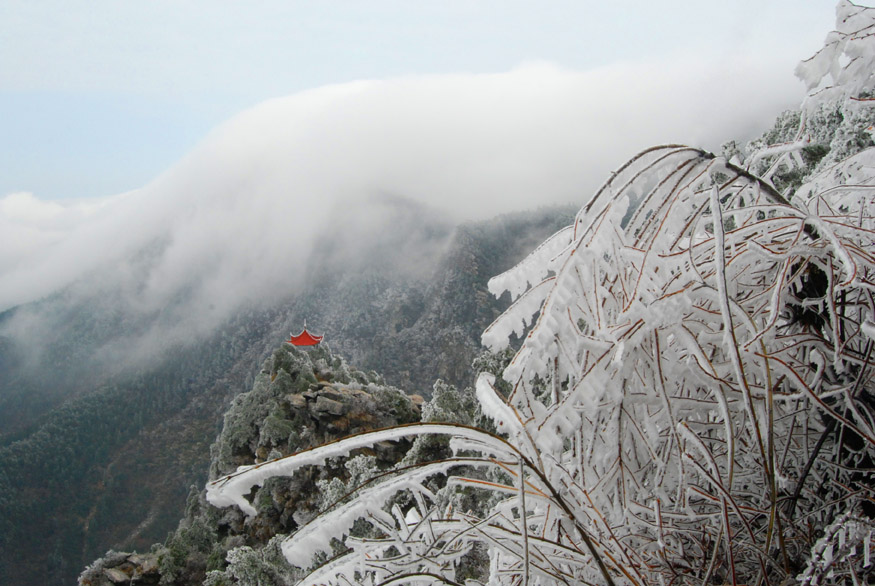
{"type": "Point", "coordinates": [300, 398]}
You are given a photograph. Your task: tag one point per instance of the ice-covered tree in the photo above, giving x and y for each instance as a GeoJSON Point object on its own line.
{"type": "Point", "coordinates": [693, 398]}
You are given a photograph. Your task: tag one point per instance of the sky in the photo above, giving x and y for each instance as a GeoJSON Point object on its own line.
{"type": "Point", "coordinates": [99, 97]}
{"type": "Point", "coordinates": [202, 148]}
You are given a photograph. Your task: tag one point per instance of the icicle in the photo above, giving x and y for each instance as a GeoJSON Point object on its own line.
{"type": "Point", "coordinates": [867, 549]}
{"type": "Point", "coordinates": [524, 529]}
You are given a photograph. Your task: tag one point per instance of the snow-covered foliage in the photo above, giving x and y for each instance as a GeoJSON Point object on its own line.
{"type": "Point", "coordinates": [845, 66]}
{"type": "Point", "coordinates": [692, 401]}
{"type": "Point", "coordinates": [843, 554]}
{"type": "Point", "coordinates": [836, 119]}
{"type": "Point", "coordinates": [247, 566]}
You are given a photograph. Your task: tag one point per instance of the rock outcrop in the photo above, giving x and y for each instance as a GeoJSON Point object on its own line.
{"type": "Point", "coordinates": [301, 398]}
{"type": "Point", "coordinates": [123, 568]}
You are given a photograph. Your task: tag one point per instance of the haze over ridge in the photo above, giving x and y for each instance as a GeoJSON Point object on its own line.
{"type": "Point", "coordinates": [239, 215]}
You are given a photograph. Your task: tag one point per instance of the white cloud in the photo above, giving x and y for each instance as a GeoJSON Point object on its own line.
{"type": "Point", "coordinates": [237, 217]}
{"type": "Point", "coordinates": [29, 226]}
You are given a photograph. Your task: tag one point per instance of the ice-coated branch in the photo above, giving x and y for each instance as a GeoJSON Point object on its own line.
{"type": "Point", "coordinates": [232, 489]}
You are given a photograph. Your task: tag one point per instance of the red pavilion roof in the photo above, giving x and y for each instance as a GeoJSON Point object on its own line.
{"type": "Point", "coordinates": [305, 338]}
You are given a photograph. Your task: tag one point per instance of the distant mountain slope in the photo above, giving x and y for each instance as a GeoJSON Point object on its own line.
{"type": "Point", "coordinates": [102, 435]}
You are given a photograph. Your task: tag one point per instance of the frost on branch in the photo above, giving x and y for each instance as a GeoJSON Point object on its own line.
{"type": "Point", "coordinates": [836, 118]}
{"type": "Point", "coordinates": [845, 552]}
{"type": "Point", "coordinates": [713, 389]}
{"type": "Point", "coordinates": [846, 63]}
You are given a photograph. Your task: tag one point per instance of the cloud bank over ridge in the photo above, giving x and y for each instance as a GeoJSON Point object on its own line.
{"type": "Point", "coordinates": [239, 215]}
